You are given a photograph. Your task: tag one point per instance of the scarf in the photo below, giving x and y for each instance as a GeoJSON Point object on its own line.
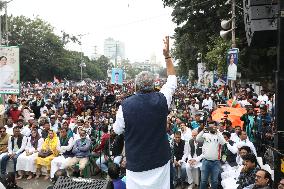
{"type": "Point", "coordinates": [51, 144]}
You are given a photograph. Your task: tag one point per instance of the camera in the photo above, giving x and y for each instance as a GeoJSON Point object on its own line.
{"type": "Point", "coordinates": [226, 112]}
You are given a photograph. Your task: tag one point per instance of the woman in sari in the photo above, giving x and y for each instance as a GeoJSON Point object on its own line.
{"type": "Point", "coordinates": [48, 153]}
{"type": "Point", "coordinates": [26, 161]}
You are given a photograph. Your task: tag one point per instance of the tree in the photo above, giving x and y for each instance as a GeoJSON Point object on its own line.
{"type": "Point", "coordinates": [103, 64]}
{"type": "Point", "coordinates": [217, 54]}
{"type": "Point", "coordinates": [198, 26]}
{"type": "Point", "coordinates": [196, 23]}
{"type": "Point", "coordinates": [42, 52]}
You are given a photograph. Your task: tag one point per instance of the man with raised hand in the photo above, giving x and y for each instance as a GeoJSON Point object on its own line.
{"type": "Point", "coordinates": [143, 118]}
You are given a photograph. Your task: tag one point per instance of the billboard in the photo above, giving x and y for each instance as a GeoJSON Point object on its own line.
{"type": "Point", "coordinates": [9, 70]}
{"type": "Point", "coordinates": [117, 76]}
{"type": "Point", "coordinates": [232, 62]}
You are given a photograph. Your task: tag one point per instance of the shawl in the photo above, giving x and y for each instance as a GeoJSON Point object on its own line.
{"type": "Point", "coordinates": [51, 144]}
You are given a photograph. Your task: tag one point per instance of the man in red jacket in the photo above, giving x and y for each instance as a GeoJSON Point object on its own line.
{"type": "Point", "coordinates": [105, 136]}
{"type": "Point", "coordinates": [14, 112]}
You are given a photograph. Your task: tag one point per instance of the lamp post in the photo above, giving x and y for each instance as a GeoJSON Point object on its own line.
{"type": "Point", "coordinates": [230, 26]}
{"type": "Point", "coordinates": [200, 69]}
{"type": "Point", "coordinates": [82, 64]}
{"type": "Point", "coordinates": [6, 23]}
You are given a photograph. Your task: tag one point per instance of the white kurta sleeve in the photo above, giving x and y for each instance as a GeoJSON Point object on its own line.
{"type": "Point", "coordinates": [40, 143]}
{"type": "Point", "coordinates": [119, 124]}
{"type": "Point", "coordinates": [169, 88]}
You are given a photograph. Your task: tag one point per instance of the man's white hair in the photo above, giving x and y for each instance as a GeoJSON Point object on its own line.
{"type": "Point", "coordinates": [145, 81]}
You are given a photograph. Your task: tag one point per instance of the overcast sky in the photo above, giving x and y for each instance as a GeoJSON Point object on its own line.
{"type": "Point", "coordinates": [140, 24]}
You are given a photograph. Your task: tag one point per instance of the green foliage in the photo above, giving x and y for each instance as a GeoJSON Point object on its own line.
{"type": "Point", "coordinates": [216, 55]}
{"type": "Point", "coordinates": [197, 31]}
{"type": "Point", "coordinates": [43, 56]}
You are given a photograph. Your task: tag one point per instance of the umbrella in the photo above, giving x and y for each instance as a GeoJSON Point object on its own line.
{"type": "Point", "coordinates": [234, 116]}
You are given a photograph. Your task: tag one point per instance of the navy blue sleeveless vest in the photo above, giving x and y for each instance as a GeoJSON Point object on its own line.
{"type": "Point", "coordinates": [146, 141]}
{"type": "Point", "coordinates": [65, 143]}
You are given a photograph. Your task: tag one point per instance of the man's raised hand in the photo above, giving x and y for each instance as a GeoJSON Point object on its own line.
{"type": "Point", "coordinates": [166, 50]}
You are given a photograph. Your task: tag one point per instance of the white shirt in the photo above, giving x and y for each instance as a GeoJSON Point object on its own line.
{"type": "Point", "coordinates": [29, 146]}
{"type": "Point", "coordinates": [211, 145]}
{"type": "Point", "coordinates": [263, 98]}
{"type": "Point", "coordinates": [9, 130]}
{"type": "Point", "coordinates": [63, 149]}
{"type": "Point", "coordinates": [194, 109]}
{"type": "Point", "coordinates": [16, 150]}
{"type": "Point", "coordinates": [244, 103]}
{"type": "Point", "coordinates": [25, 131]}
{"type": "Point", "coordinates": [187, 153]}
{"type": "Point", "coordinates": [248, 143]}
{"type": "Point", "coordinates": [207, 103]}
{"type": "Point", "coordinates": [235, 138]}
{"type": "Point", "coordinates": [186, 135]}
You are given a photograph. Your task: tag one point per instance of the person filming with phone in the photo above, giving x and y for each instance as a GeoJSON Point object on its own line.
{"type": "Point", "coordinates": [211, 153]}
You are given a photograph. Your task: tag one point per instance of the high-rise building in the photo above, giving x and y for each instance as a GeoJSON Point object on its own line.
{"type": "Point", "coordinates": [114, 49]}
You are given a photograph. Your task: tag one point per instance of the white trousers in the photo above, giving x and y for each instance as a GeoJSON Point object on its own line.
{"type": "Point", "coordinates": [26, 163]}
{"type": "Point", "coordinates": [158, 178]}
{"type": "Point", "coordinates": [58, 163]}
{"type": "Point", "coordinates": [192, 174]}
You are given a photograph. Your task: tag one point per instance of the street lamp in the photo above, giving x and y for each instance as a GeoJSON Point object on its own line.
{"type": "Point", "coordinates": [225, 24]}
{"type": "Point", "coordinates": [82, 64]}
{"type": "Point", "coordinates": [199, 57]}
{"type": "Point", "coordinates": [6, 24]}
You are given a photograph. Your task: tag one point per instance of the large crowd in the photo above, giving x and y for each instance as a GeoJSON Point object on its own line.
{"type": "Point", "coordinates": [67, 128]}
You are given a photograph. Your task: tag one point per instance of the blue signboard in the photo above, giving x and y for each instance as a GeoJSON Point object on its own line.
{"type": "Point", "coordinates": [117, 76]}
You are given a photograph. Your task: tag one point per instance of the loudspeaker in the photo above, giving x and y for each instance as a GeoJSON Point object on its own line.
{"type": "Point", "coordinates": [249, 3]}
{"type": "Point", "coordinates": [262, 33]}
{"type": "Point", "coordinates": [79, 183]}
{"type": "Point", "coordinates": [262, 12]}
{"type": "Point", "coordinates": [260, 18]}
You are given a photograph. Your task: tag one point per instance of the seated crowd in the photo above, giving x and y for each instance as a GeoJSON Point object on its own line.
{"type": "Point", "coordinates": [46, 135]}
{"type": "Point", "coordinates": [70, 149]}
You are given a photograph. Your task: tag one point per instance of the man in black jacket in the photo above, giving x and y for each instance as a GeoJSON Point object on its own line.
{"type": "Point", "coordinates": [16, 146]}
{"type": "Point", "coordinates": [178, 154]}
{"type": "Point", "coordinates": [227, 156]}
{"type": "Point", "coordinates": [36, 105]}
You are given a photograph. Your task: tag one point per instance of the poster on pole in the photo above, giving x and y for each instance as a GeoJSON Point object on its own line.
{"type": "Point", "coordinates": [9, 70]}
{"type": "Point", "coordinates": [117, 76]}
{"type": "Point", "coordinates": [201, 67]}
{"type": "Point", "coordinates": [232, 62]}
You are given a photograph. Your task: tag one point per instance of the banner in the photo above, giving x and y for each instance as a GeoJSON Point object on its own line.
{"type": "Point", "coordinates": [200, 72]}
{"type": "Point", "coordinates": [232, 62]}
{"type": "Point", "coordinates": [9, 70]}
{"type": "Point", "coordinates": [201, 69]}
{"type": "Point", "coordinates": [117, 76]}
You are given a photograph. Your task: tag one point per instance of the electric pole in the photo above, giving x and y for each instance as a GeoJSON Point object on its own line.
{"type": "Point", "coordinates": [279, 101]}
{"type": "Point", "coordinates": [234, 24]}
